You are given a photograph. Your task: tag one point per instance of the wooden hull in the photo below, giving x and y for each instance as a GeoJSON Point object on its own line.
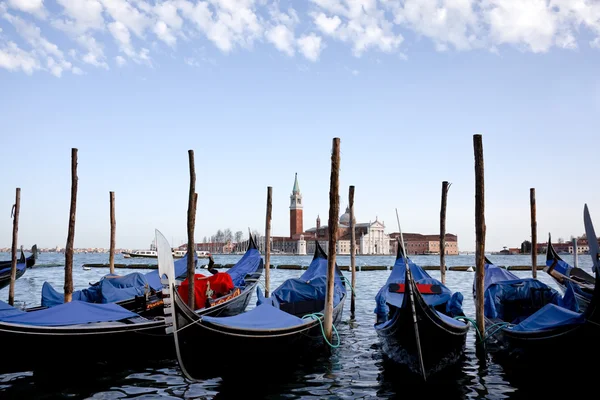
{"type": "Point", "coordinates": [82, 347]}
{"type": "Point", "coordinates": [582, 301]}
{"type": "Point", "coordinates": [441, 344]}
{"type": "Point", "coordinates": [527, 349]}
{"type": "Point", "coordinates": [199, 341]}
{"type": "Point", "coordinates": [5, 278]}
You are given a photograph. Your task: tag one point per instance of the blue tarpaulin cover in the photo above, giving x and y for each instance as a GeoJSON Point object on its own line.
{"type": "Point", "coordinates": [384, 297]}
{"type": "Point", "coordinates": [6, 309]}
{"type": "Point", "coordinates": [248, 264]}
{"type": "Point", "coordinates": [312, 285]}
{"type": "Point", "coordinates": [20, 267]}
{"type": "Point", "coordinates": [504, 288]}
{"type": "Point", "coordinates": [564, 268]}
{"type": "Point", "coordinates": [264, 316]}
{"type": "Point", "coordinates": [549, 316]}
{"type": "Point", "coordinates": [72, 313]}
{"type": "Point", "coordinates": [113, 288]}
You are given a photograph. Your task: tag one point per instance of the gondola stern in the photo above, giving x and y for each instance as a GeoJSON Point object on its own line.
{"type": "Point", "coordinates": [319, 252]}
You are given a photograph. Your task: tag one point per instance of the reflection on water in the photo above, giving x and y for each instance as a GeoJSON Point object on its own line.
{"type": "Point", "coordinates": [356, 369]}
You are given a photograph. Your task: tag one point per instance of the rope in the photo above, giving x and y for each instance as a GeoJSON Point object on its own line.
{"type": "Point", "coordinates": [344, 279]}
{"type": "Point", "coordinates": [318, 316]}
{"type": "Point", "coordinates": [499, 326]}
{"type": "Point", "coordinates": [474, 323]}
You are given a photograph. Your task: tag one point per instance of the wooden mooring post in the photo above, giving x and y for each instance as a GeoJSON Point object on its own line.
{"type": "Point", "coordinates": [334, 210]}
{"type": "Point", "coordinates": [575, 252]}
{"type": "Point", "coordinates": [445, 187]}
{"type": "Point", "coordinates": [113, 227]}
{"type": "Point", "coordinates": [71, 233]}
{"type": "Point", "coordinates": [533, 233]}
{"type": "Point", "coordinates": [479, 232]}
{"type": "Point", "coordinates": [352, 250]}
{"type": "Point", "coordinates": [15, 238]}
{"type": "Point", "coordinates": [191, 222]}
{"type": "Point", "coordinates": [268, 242]}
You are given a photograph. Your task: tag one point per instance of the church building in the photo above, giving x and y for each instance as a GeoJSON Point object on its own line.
{"type": "Point", "coordinates": [370, 236]}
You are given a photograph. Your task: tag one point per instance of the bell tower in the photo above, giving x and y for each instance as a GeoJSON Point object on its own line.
{"type": "Point", "coordinates": [296, 210]}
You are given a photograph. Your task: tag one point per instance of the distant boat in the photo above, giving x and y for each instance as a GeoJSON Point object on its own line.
{"type": "Point", "coordinates": [141, 254]}
{"type": "Point", "coordinates": [199, 253]}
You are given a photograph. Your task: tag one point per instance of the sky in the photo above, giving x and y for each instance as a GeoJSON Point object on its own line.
{"type": "Point", "coordinates": [258, 89]}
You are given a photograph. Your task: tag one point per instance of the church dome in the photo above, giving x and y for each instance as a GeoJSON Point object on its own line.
{"type": "Point", "coordinates": [345, 218]}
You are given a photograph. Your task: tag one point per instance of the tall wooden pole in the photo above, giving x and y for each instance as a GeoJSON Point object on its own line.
{"type": "Point", "coordinates": [479, 231]}
{"type": "Point", "coordinates": [113, 227]}
{"type": "Point", "coordinates": [268, 243]}
{"type": "Point", "coordinates": [191, 222]}
{"type": "Point", "coordinates": [533, 233]}
{"type": "Point", "coordinates": [575, 252]}
{"type": "Point", "coordinates": [71, 233]}
{"type": "Point", "coordinates": [445, 188]}
{"type": "Point", "coordinates": [334, 211]}
{"type": "Point", "coordinates": [352, 249]}
{"type": "Point", "coordinates": [15, 237]}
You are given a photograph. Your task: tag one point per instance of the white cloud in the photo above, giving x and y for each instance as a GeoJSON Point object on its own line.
{"type": "Point", "coordinates": [283, 38]}
{"type": "Point", "coordinates": [446, 22]}
{"type": "Point", "coordinates": [41, 47]}
{"type": "Point", "coordinates": [168, 12]}
{"type": "Point", "coordinates": [327, 25]}
{"type": "Point", "coordinates": [127, 15]}
{"type": "Point", "coordinates": [530, 23]}
{"type": "Point", "coordinates": [95, 55]}
{"type": "Point", "coordinates": [360, 22]}
{"type": "Point", "coordinates": [82, 15]}
{"type": "Point", "coordinates": [311, 46]}
{"type": "Point", "coordinates": [13, 58]}
{"type": "Point", "coordinates": [35, 7]}
{"type": "Point", "coordinates": [163, 32]}
{"type": "Point", "coordinates": [361, 25]}
{"type": "Point", "coordinates": [226, 23]}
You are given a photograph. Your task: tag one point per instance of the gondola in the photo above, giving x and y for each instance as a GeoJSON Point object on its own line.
{"type": "Point", "coordinates": [285, 328]}
{"type": "Point", "coordinates": [79, 335]}
{"type": "Point", "coordinates": [22, 264]}
{"type": "Point", "coordinates": [135, 291]}
{"type": "Point", "coordinates": [529, 323]}
{"type": "Point", "coordinates": [419, 319]}
{"type": "Point", "coordinates": [564, 274]}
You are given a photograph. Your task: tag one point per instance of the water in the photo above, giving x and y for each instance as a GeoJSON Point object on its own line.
{"type": "Point", "coordinates": [354, 370]}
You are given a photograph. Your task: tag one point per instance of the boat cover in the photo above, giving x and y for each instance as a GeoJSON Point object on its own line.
{"type": "Point", "coordinates": [502, 288]}
{"type": "Point", "coordinates": [110, 289]}
{"type": "Point", "coordinates": [6, 270]}
{"type": "Point", "coordinates": [549, 316]}
{"type": "Point", "coordinates": [6, 309]}
{"type": "Point", "coordinates": [264, 316]}
{"type": "Point", "coordinates": [113, 288]}
{"type": "Point", "coordinates": [72, 313]}
{"type": "Point", "coordinates": [212, 287]}
{"type": "Point", "coordinates": [565, 269]}
{"type": "Point", "coordinates": [248, 264]}
{"type": "Point", "coordinates": [384, 297]}
{"type": "Point", "coordinates": [312, 284]}
{"type": "Point", "coordinates": [560, 266]}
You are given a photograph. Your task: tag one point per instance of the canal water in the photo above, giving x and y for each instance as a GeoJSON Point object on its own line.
{"type": "Point", "coordinates": [356, 369]}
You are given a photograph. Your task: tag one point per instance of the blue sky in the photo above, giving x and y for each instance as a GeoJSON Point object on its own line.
{"type": "Point", "coordinates": [258, 89]}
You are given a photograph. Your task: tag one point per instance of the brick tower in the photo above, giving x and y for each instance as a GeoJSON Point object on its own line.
{"type": "Point", "coordinates": [296, 211]}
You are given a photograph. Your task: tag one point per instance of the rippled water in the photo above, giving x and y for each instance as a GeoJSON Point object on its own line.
{"type": "Point", "coordinates": [356, 369]}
